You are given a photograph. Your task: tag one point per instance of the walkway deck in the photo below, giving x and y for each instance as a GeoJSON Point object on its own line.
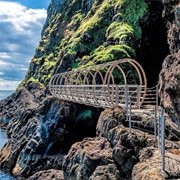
{"type": "Point", "coordinates": [100, 85]}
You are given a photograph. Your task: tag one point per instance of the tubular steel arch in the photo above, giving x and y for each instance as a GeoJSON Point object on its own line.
{"type": "Point", "coordinates": [99, 85]}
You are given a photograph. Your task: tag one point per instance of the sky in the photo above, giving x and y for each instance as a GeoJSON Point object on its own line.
{"type": "Point", "coordinates": [21, 23]}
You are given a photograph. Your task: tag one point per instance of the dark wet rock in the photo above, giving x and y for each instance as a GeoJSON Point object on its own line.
{"type": "Point", "coordinates": [170, 74]}
{"type": "Point", "coordinates": [84, 157]}
{"type": "Point", "coordinates": [108, 120]}
{"type": "Point", "coordinates": [172, 13]}
{"type": "Point", "coordinates": [106, 172]}
{"type": "Point", "coordinates": [50, 174]}
{"type": "Point", "coordinates": [40, 142]}
{"type": "Point", "coordinates": [15, 144]}
{"type": "Point", "coordinates": [152, 47]}
{"type": "Point", "coordinates": [18, 104]}
{"type": "Point", "coordinates": [126, 146]}
{"type": "Point", "coordinates": [150, 166]}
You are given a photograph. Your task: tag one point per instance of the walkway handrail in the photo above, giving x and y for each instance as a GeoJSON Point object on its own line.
{"type": "Point", "coordinates": [98, 85]}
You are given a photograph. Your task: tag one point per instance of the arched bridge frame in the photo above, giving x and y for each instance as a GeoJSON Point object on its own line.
{"type": "Point", "coordinates": [98, 86]}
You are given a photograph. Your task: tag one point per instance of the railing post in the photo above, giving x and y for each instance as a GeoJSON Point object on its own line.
{"type": "Point", "coordinates": [163, 140]}
{"type": "Point", "coordinates": [126, 99]}
{"type": "Point", "coordinates": [130, 106]}
{"type": "Point", "coordinates": [159, 131]}
{"type": "Point", "coordinates": [157, 95]}
{"type": "Point", "coordinates": [155, 114]}
{"type": "Point", "coordinates": [117, 96]}
{"type": "Point", "coordinates": [138, 97]}
{"type": "Point", "coordinates": [155, 123]}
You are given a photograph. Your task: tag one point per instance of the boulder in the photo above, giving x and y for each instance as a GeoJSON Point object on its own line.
{"type": "Point", "coordinates": [84, 157]}
{"type": "Point", "coordinates": [126, 145]}
{"type": "Point", "coordinates": [108, 120]}
{"type": "Point", "coordinates": [106, 172]}
{"type": "Point", "coordinates": [50, 174]}
{"type": "Point", "coordinates": [150, 166]}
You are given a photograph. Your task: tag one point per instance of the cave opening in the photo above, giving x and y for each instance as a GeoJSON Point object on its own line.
{"type": "Point", "coordinates": [80, 123]}
{"type": "Point", "coordinates": [153, 47]}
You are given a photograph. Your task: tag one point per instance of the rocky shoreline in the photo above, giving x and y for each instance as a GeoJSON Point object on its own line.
{"type": "Point", "coordinates": [53, 139]}
{"type": "Point", "coordinates": [40, 149]}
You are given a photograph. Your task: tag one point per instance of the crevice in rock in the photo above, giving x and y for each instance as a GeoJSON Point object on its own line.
{"type": "Point", "coordinates": [79, 123]}
{"type": "Point", "coordinates": [153, 46]}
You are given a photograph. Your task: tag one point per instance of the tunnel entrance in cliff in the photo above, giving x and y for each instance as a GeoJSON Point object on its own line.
{"type": "Point", "coordinates": [153, 44]}
{"type": "Point", "coordinates": [78, 122]}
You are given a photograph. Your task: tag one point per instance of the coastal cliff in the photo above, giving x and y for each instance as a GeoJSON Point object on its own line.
{"type": "Point", "coordinates": [170, 74]}
{"type": "Point", "coordinates": [62, 140]}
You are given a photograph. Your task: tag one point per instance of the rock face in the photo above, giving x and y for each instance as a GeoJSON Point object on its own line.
{"type": "Point", "coordinates": [153, 44]}
{"type": "Point", "coordinates": [149, 166]}
{"type": "Point", "coordinates": [108, 120]}
{"type": "Point", "coordinates": [40, 142]}
{"type": "Point", "coordinates": [77, 33]}
{"type": "Point", "coordinates": [107, 172]}
{"type": "Point", "coordinates": [117, 152]}
{"type": "Point", "coordinates": [170, 74]}
{"type": "Point", "coordinates": [50, 174]}
{"type": "Point", "coordinates": [47, 135]}
{"type": "Point", "coordinates": [43, 144]}
{"type": "Point", "coordinates": [82, 33]}
{"type": "Point", "coordinates": [15, 106]}
{"type": "Point", "coordinates": [84, 157]}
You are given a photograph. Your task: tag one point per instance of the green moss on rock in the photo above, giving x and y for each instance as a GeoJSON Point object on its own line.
{"type": "Point", "coordinates": [82, 33]}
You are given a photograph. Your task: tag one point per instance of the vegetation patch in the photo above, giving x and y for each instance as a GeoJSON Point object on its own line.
{"type": "Point", "coordinates": [84, 33]}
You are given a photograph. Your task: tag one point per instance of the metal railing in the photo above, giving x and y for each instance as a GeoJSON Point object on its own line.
{"type": "Point", "coordinates": [161, 137]}
{"type": "Point", "coordinates": [105, 96]}
{"type": "Point", "coordinates": [151, 96]}
{"type": "Point", "coordinates": [99, 85]}
{"type": "Point", "coordinates": [160, 127]}
{"type": "Point", "coordinates": [82, 86]}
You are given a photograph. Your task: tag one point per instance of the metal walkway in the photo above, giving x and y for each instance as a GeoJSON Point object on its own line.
{"type": "Point", "coordinates": [106, 85]}
{"type": "Point", "coordinates": [120, 83]}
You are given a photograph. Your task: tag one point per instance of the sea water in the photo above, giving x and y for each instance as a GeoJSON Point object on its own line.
{"type": "Point", "coordinates": [4, 94]}
{"type": "Point", "coordinates": [3, 137]}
